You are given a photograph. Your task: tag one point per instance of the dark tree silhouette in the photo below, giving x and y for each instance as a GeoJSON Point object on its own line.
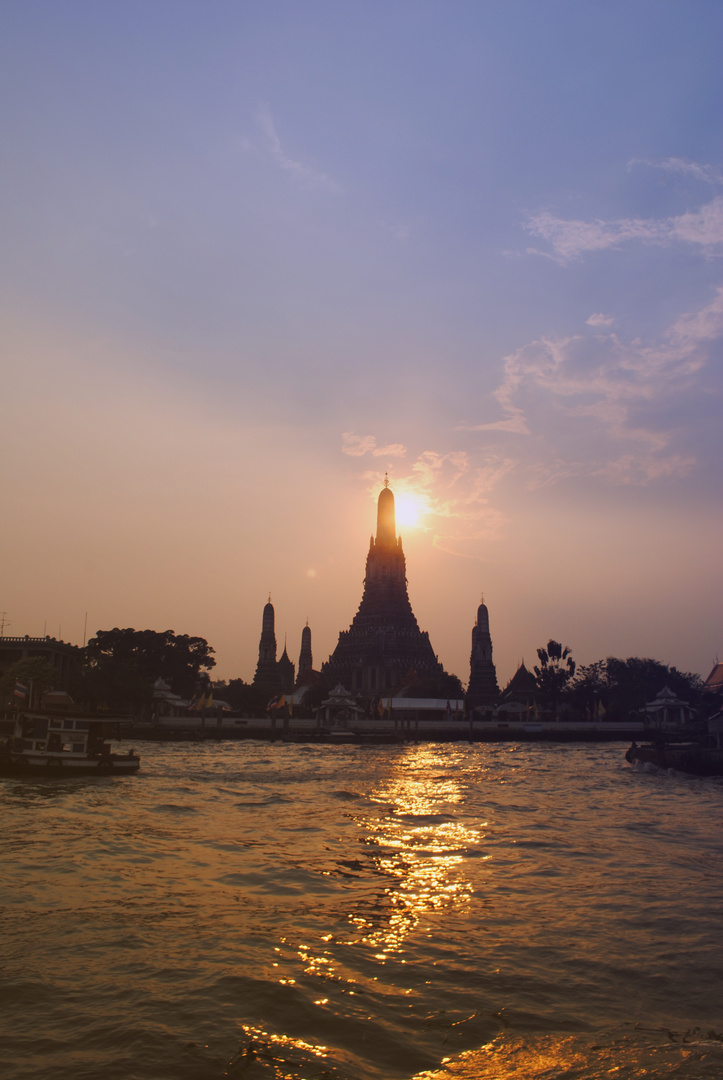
{"type": "Point", "coordinates": [34, 672]}
{"type": "Point", "coordinates": [434, 686]}
{"type": "Point", "coordinates": [122, 665]}
{"type": "Point", "coordinates": [247, 698]}
{"type": "Point", "coordinates": [554, 672]}
{"type": "Point", "coordinates": [624, 686]}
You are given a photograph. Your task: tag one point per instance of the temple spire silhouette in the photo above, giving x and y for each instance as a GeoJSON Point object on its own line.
{"type": "Point", "coordinates": [483, 688]}
{"type": "Point", "coordinates": [267, 673]}
{"type": "Point", "coordinates": [305, 659]}
{"type": "Point", "coordinates": [384, 644]}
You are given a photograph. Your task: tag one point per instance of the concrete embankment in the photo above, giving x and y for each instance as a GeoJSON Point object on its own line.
{"type": "Point", "coordinates": [389, 731]}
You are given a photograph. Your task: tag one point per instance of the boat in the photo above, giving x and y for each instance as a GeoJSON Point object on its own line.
{"type": "Point", "coordinates": [679, 740]}
{"type": "Point", "coordinates": [42, 745]}
{"type": "Point", "coordinates": [702, 756]}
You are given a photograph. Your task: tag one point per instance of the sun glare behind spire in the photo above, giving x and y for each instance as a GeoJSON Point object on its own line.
{"type": "Point", "coordinates": [410, 509]}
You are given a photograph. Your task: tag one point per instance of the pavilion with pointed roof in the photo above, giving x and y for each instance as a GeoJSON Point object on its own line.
{"type": "Point", "coordinates": [521, 688]}
{"type": "Point", "coordinates": [714, 682]}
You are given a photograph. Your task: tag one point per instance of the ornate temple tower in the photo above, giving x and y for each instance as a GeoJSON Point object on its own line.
{"type": "Point", "coordinates": [286, 672]}
{"type": "Point", "coordinates": [267, 672]}
{"type": "Point", "coordinates": [483, 689]}
{"type": "Point", "coordinates": [305, 662]}
{"type": "Point", "coordinates": [384, 643]}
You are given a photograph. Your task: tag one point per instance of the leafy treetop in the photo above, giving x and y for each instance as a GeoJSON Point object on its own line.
{"type": "Point", "coordinates": [554, 671]}
{"type": "Point", "coordinates": [32, 670]}
{"type": "Point", "coordinates": [624, 686]}
{"type": "Point", "coordinates": [182, 661]}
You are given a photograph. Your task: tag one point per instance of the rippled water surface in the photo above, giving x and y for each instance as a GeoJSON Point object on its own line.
{"type": "Point", "coordinates": [368, 913]}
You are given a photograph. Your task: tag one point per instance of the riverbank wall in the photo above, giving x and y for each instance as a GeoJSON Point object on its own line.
{"type": "Point", "coordinates": [388, 731]}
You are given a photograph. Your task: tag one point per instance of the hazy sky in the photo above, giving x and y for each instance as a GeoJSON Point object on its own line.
{"type": "Point", "coordinates": [254, 255]}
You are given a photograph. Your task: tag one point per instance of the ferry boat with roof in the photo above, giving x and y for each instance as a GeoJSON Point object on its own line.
{"type": "Point", "coordinates": [679, 741]}
{"type": "Point", "coordinates": [42, 745]}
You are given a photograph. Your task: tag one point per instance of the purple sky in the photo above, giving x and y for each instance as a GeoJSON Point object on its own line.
{"type": "Point", "coordinates": [255, 255]}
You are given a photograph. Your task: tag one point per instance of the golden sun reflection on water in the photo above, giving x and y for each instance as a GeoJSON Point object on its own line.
{"type": "Point", "coordinates": [416, 842]}
{"type": "Point", "coordinates": [264, 1053]}
{"type": "Point", "coordinates": [542, 1057]}
{"type": "Point", "coordinates": [419, 848]}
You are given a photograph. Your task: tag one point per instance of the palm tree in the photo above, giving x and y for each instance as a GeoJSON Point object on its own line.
{"type": "Point", "coordinates": [556, 669]}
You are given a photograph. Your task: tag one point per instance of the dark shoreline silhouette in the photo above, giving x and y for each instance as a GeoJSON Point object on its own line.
{"type": "Point", "coordinates": [450, 731]}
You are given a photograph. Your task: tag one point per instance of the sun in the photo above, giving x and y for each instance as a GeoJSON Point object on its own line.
{"type": "Point", "coordinates": [410, 509]}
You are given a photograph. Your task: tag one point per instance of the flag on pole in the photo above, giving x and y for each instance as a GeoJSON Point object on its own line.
{"type": "Point", "coordinates": [201, 702]}
{"type": "Point", "coordinates": [20, 691]}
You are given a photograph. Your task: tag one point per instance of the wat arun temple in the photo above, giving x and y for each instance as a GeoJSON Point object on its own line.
{"type": "Point", "coordinates": [384, 649]}
{"type": "Point", "coordinates": [384, 643]}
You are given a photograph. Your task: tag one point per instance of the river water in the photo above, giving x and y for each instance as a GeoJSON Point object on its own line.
{"type": "Point", "coordinates": [250, 910]}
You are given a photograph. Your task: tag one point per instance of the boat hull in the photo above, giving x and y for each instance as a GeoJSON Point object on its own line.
{"type": "Point", "coordinates": [54, 767]}
{"type": "Point", "coordinates": [690, 758]}
{"type": "Point", "coordinates": [44, 744]}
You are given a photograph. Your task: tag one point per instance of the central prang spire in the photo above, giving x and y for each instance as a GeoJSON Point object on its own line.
{"type": "Point", "coordinates": [384, 643]}
{"type": "Point", "coordinates": [386, 519]}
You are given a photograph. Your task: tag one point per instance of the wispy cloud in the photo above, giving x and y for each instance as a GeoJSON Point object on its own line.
{"type": "Point", "coordinates": [633, 469]}
{"type": "Point", "coordinates": [571, 239]}
{"type": "Point", "coordinates": [608, 398]}
{"type": "Point", "coordinates": [306, 174]}
{"type": "Point", "coordinates": [600, 320]}
{"type": "Point", "coordinates": [696, 327]}
{"type": "Point", "coordinates": [359, 445]}
{"type": "Point", "coordinates": [455, 492]}
{"type": "Point", "coordinates": [459, 492]}
{"type": "Point", "coordinates": [516, 424]}
{"type": "Point", "coordinates": [709, 174]}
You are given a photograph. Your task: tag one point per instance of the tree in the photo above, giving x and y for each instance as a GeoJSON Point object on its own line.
{"type": "Point", "coordinates": [434, 686]}
{"type": "Point", "coordinates": [116, 686]}
{"type": "Point", "coordinates": [122, 665]}
{"type": "Point", "coordinates": [624, 686]}
{"type": "Point", "coordinates": [246, 698]}
{"type": "Point", "coordinates": [587, 691]}
{"type": "Point", "coordinates": [33, 672]}
{"type": "Point", "coordinates": [317, 692]}
{"type": "Point", "coordinates": [555, 671]}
